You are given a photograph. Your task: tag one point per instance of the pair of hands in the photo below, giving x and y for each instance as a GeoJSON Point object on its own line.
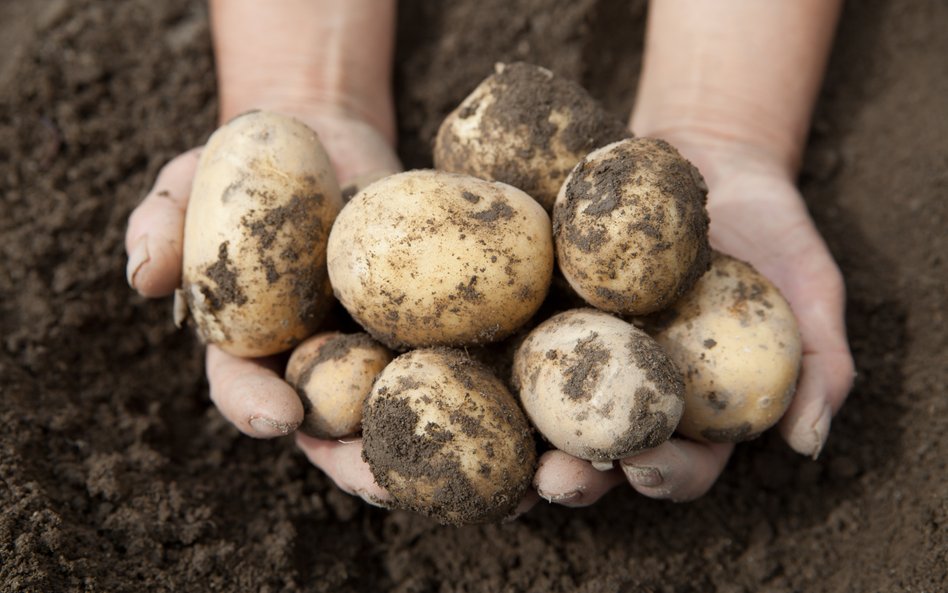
{"type": "Point", "coordinates": [756, 215]}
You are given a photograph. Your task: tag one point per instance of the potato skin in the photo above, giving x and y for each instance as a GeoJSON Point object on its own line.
{"type": "Point", "coordinates": [445, 438]}
{"type": "Point", "coordinates": [597, 387]}
{"type": "Point", "coordinates": [333, 374]}
{"type": "Point", "coordinates": [736, 340]}
{"type": "Point", "coordinates": [428, 258]}
{"type": "Point", "coordinates": [631, 228]}
{"type": "Point", "coordinates": [526, 127]}
{"type": "Point", "coordinates": [263, 201]}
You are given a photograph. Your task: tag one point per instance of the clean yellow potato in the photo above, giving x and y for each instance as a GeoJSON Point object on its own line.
{"type": "Point", "coordinates": [428, 258]}
{"type": "Point", "coordinates": [446, 438]}
{"type": "Point", "coordinates": [631, 228]}
{"type": "Point", "coordinates": [736, 340]}
{"type": "Point", "coordinates": [527, 127]}
{"type": "Point", "coordinates": [333, 373]}
{"type": "Point", "coordinates": [263, 201]}
{"type": "Point", "coordinates": [597, 387]}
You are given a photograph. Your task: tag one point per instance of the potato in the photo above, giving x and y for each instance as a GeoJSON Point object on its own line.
{"type": "Point", "coordinates": [263, 201]}
{"type": "Point", "coordinates": [631, 228]}
{"type": "Point", "coordinates": [428, 258]}
{"type": "Point", "coordinates": [597, 387]}
{"type": "Point", "coordinates": [446, 438]}
{"type": "Point", "coordinates": [333, 374]}
{"type": "Point", "coordinates": [736, 340]}
{"type": "Point", "coordinates": [526, 127]}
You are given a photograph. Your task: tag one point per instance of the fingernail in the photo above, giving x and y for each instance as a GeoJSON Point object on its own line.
{"type": "Point", "coordinates": [640, 475]}
{"type": "Point", "coordinates": [561, 498]}
{"type": "Point", "coordinates": [269, 428]}
{"type": "Point", "coordinates": [137, 258]}
{"type": "Point", "coordinates": [820, 431]}
{"type": "Point", "coordinates": [373, 500]}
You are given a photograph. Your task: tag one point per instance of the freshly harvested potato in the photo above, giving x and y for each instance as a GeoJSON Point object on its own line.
{"type": "Point", "coordinates": [263, 201]}
{"type": "Point", "coordinates": [631, 228]}
{"type": "Point", "coordinates": [736, 340]}
{"type": "Point", "coordinates": [597, 387]}
{"type": "Point", "coordinates": [333, 374]}
{"type": "Point", "coordinates": [428, 258]}
{"type": "Point", "coordinates": [446, 438]}
{"type": "Point", "coordinates": [526, 127]}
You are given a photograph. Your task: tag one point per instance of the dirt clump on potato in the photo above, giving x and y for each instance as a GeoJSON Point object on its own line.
{"type": "Point", "coordinates": [631, 228]}
{"type": "Point", "coordinates": [526, 127]}
{"type": "Point", "coordinates": [596, 387]}
{"type": "Point", "coordinates": [445, 438]}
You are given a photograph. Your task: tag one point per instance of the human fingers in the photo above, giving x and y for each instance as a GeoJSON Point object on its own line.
{"type": "Point", "coordinates": [677, 470]}
{"type": "Point", "coordinates": [342, 461]}
{"type": "Point", "coordinates": [572, 482]}
{"type": "Point", "coordinates": [827, 367]}
{"type": "Point", "coordinates": [251, 395]}
{"type": "Point", "coordinates": [156, 229]}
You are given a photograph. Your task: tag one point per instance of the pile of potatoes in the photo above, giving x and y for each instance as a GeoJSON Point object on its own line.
{"type": "Point", "coordinates": [644, 332]}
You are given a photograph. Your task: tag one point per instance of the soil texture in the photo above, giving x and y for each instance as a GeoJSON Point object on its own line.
{"type": "Point", "coordinates": [118, 474]}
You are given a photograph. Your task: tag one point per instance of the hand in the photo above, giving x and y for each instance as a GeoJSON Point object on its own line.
{"type": "Point", "coordinates": [757, 215]}
{"type": "Point", "coordinates": [251, 393]}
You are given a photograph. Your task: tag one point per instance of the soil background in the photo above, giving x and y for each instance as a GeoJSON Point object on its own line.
{"type": "Point", "coordinates": [117, 474]}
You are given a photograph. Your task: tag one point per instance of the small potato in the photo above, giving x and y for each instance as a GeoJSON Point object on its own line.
{"type": "Point", "coordinates": [631, 228]}
{"type": "Point", "coordinates": [263, 201]}
{"type": "Point", "coordinates": [736, 340]}
{"type": "Point", "coordinates": [428, 258]}
{"type": "Point", "coordinates": [526, 127]}
{"type": "Point", "coordinates": [597, 387]}
{"type": "Point", "coordinates": [333, 374]}
{"type": "Point", "coordinates": [445, 438]}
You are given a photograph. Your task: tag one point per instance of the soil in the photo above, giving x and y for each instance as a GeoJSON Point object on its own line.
{"type": "Point", "coordinates": [117, 473]}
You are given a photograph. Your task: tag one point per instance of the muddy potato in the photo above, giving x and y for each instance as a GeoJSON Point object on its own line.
{"type": "Point", "coordinates": [263, 201]}
{"type": "Point", "coordinates": [736, 341]}
{"type": "Point", "coordinates": [446, 438]}
{"type": "Point", "coordinates": [631, 228]}
{"type": "Point", "coordinates": [597, 387]}
{"type": "Point", "coordinates": [333, 374]}
{"type": "Point", "coordinates": [527, 127]}
{"type": "Point", "coordinates": [427, 258]}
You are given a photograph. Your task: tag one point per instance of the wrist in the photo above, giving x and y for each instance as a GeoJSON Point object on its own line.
{"type": "Point", "coordinates": [310, 103]}
{"type": "Point", "coordinates": [724, 157]}
{"type": "Point", "coordinates": [306, 58]}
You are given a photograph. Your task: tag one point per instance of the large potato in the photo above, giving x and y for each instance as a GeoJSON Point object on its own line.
{"type": "Point", "coordinates": [526, 127]}
{"type": "Point", "coordinates": [735, 339]}
{"type": "Point", "coordinates": [597, 387]}
{"type": "Point", "coordinates": [263, 201]}
{"type": "Point", "coordinates": [445, 438]}
{"type": "Point", "coordinates": [429, 258]}
{"type": "Point", "coordinates": [631, 228]}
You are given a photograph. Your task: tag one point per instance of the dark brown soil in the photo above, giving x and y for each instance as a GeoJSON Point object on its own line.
{"type": "Point", "coordinates": [117, 474]}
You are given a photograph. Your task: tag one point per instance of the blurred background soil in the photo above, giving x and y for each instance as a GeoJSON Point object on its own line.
{"type": "Point", "coordinates": [117, 474]}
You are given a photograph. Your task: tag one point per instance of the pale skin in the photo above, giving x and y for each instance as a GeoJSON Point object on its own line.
{"type": "Point", "coordinates": [730, 83]}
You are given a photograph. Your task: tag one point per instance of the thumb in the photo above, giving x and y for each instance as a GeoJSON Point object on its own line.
{"type": "Point", "coordinates": [155, 232]}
